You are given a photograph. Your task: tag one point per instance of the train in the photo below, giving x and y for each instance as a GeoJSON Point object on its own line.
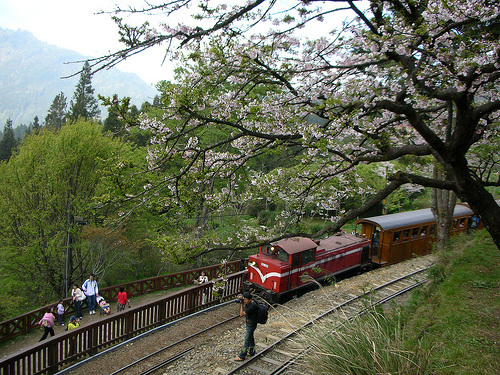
{"type": "Point", "coordinates": [289, 266]}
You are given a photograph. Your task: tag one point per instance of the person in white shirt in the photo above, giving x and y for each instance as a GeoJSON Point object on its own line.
{"type": "Point", "coordinates": [77, 296]}
{"type": "Point", "coordinates": [202, 279]}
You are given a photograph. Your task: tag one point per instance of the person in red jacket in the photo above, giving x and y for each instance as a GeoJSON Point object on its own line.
{"type": "Point", "coordinates": [122, 299]}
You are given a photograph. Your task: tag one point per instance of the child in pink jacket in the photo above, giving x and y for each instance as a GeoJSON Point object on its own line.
{"type": "Point", "coordinates": [47, 322]}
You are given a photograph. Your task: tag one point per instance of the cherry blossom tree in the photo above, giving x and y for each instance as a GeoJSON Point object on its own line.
{"type": "Point", "coordinates": [398, 80]}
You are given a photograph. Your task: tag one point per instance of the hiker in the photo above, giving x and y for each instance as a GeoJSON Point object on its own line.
{"type": "Point", "coordinates": [248, 309]}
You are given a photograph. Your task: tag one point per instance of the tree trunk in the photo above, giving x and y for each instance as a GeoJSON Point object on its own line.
{"type": "Point", "coordinates": [203, 210]}
{"type": "Point", "coordinates": [479, 199]}
{"type": "Point", "coordinates": [443, 206]}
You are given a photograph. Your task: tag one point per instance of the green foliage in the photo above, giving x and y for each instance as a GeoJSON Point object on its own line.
{"type": "Point", "coordinates": [50, 174]}
{"type": "Point", "coordinates": [123, 119]}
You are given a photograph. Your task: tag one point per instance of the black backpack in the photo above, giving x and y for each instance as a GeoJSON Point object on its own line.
{"type": "Point", "coordinates": [263, 312]}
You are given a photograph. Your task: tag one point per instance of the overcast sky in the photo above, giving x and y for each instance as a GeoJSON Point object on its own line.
{"type": "Point", "coordinates": [74, 24]}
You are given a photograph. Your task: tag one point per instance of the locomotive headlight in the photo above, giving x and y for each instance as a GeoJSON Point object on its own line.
{"type": "Point", "coordinates": [253, 263]}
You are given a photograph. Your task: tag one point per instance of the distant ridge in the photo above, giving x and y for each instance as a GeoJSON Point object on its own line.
{"type": "Point", "coordinates": [30, 78]}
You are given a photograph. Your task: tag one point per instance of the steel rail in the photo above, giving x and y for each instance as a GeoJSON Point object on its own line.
{"type": "Point", "coordinates": [168, 361]}
{"type": "Point", "coordinates": [173, 344]}
{"type": "Point", "coordinates": [157, 329]}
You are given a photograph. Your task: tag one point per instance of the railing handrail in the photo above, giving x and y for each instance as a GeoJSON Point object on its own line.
{"type": "Point", "coordinates": [25, 323]}
{"type": "Point", "coordinates": [51, 354]}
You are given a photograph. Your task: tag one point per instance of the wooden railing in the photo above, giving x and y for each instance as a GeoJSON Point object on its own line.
{"type": "Point", "coordinates": [25, 323]}
{"type": "Point", "coordinates": [55, 353]}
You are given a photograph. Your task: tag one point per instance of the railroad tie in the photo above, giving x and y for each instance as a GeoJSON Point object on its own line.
{"type": "Point", "coordinates": [285, 353]}
{"type": "Point", "coordinates": [259, 369]}
{"type": "Point", "coordinates": [272, 361]}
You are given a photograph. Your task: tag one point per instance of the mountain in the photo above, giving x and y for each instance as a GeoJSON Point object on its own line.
{"type": "Point", "coordinates": [30, 78]}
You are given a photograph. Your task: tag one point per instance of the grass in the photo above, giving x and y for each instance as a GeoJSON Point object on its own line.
{"type": "Point", "coordinates": [371, 344]}
{"type": "Point", "coordinates": [452, 326]}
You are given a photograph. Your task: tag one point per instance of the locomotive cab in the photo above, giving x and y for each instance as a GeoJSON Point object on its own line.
{"type": "Point", "coordinates": [279, 267]}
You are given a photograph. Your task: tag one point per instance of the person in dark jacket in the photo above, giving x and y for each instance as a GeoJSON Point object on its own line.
{"type": "Point", "coordinates": [248, 309]}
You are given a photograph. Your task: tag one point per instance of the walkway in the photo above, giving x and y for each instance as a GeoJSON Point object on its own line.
{"type": "Point", "coordinates": [20, 343]}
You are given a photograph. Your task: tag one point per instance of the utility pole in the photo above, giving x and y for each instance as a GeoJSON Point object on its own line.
{"type": "Point", "coordinates": [68, 227]}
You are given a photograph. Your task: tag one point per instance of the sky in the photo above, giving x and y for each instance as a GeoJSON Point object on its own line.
{"type": "Point", "coordinates": [74, 25]}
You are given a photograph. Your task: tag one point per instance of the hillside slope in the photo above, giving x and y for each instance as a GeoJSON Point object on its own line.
{"type": "Point", "coordinates": [31, 74]}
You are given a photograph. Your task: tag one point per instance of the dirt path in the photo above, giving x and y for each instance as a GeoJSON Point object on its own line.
{"type": "Point", "coordinates": [20, 343]}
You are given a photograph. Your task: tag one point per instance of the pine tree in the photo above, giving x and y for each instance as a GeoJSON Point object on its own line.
{"type": "Point", "coordinates": [35, 125]}
{"type": "Point", "coordinates": [56, 117]}
{"type": "Point", "coordinates": [8, 142]}
{"type": "Point", "coordinates": [84, 104]}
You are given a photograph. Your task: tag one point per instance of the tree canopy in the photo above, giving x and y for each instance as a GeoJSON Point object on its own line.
{"type": "Point", "coordinates": [400, 80]}
{"type": "Point", "coordinates": [51, 179]}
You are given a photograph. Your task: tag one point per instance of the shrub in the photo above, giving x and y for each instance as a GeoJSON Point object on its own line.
{"type": "Point", "coordinates": [373, 343]}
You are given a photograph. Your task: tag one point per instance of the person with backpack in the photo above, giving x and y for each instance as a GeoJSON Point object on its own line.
{"type": "Point", "coordinates": [250, 310]}
{"type": "Point", "coordinates": [47, 322]}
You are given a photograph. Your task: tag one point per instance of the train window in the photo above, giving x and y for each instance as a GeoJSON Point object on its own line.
{"type": "Point", "coordinates": [432, 230]}
{"type": "Point", "coordinates": [462, 223]}
{"type": "Point", "coordinates": [270, 250]}
{"type": "Point", "coordinates": [308, 256]}
{"type": "Point", "coordinates": [295, 260]}
{"type": "Point", "coordinates": [455, 223]}
{"type": "Point", "coordinates": [423, 232]}
{"type": "Point", "coordinates": [414, 232]}
{"type": "Point", "coordinates": [406, 233]}
{"type": "Point", "coordinates": [397, 236]}
{"type": "Point", "coordinates": [282, 255]}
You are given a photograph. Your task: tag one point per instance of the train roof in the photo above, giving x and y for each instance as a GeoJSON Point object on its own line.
{"type": "Point", "coordinates": [409, 218]}
{"type": "Point", "coordinates": [340, 240]}
{"type": "Point", "coordinates": [296, 244]}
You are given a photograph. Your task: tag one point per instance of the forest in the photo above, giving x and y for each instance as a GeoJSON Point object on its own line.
{"type": "Point", "coordinates": [259, 137]}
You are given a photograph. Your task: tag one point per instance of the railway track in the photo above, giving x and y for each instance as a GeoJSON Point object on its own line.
{"type": "Point", "coordinates": [155, 359]}
{"type": "Point", "coordinates": [285, 352]}
{"type": "Point", "coordinates": [168, 354]}
{"type": "Point", "coordinates": [209, 348]}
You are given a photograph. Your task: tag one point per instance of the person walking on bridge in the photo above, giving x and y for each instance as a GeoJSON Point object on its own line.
{"type": "Point", "coordinates": [47, 322]}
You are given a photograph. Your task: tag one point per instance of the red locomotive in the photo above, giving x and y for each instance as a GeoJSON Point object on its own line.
{"type": "Point", "coordinates": [282, 268]}
{"type": "Point", "coordinates": [289, 265]}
